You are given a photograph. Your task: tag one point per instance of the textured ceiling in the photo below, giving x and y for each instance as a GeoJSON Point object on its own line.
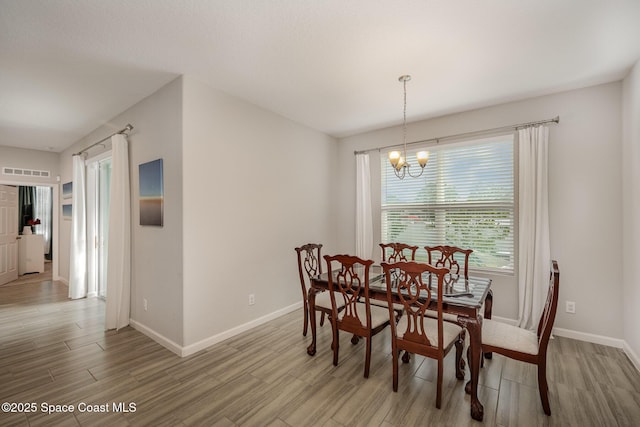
{"type": "Point", "coordinates": [67, 67]}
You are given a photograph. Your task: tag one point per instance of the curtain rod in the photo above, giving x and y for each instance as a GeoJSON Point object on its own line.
{"type": "Point", "coordinates": [556, 119]}
{"type": "Point", "coordinates": [127, 128]}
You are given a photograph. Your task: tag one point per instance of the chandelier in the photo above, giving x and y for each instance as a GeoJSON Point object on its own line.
{"type": "Point", "coordinates": [399, 160]}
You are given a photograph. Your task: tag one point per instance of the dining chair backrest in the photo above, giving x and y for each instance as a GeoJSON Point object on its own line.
{"type": "Point", "coordinates": [450, 257]}
{"type": "Point", "coordinates": [349, 280]}
{"type": "Point", "coordinates": [309, 265]}
{"type": "Point", "coordinates": [551, 306]}
{"type": "Point", "coordinates": [394, 252]}
{"type": "Point", "coordinates": [415, 295]}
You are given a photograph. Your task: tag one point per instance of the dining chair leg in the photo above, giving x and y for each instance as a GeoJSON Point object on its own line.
{"type": "Point", "coordinates": [439, 385]}
{"type": "Point", "coordinates": [395, 356]}
{"type": "Point", "coordinates": [462, 338]}
{"type": "Point", "coordinates": [543, 387]}
{"type": "Point", "coordinates": [367, 360]}
{"type": "Point", "coordinates": [306, 318]}
{"type": "Point", "coordinates": [459, 361]}
{"type": "Point", "coordinates": [322, 319]}
{"type": "Point", "coordinates": [335, 345]}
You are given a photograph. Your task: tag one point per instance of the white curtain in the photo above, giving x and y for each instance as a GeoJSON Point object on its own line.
{"type": "Point", "coordinates": [42, 211]}
{"type": "Point", "coordinates": [119, 252]}
{"type": "Point", "coordinates": [78, 256]}
{"type": "Point", "coordinates": [534, 251]}
{"type": "Point", "coordinates": [364, 218]}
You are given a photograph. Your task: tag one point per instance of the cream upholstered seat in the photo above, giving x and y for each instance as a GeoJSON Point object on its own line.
{"type": "Point", "coordinates": [527, 346]}
{"type": "Point", "coordinates": [349, 283]}
{"type": "Point", "coordinates": [414, 332]}
{"type": "Point", "coordinates": [379, 315]}
{"type": "Point", "coordinates": [498, 334]}
{"type": "Point", "coordinates": [323, 300]}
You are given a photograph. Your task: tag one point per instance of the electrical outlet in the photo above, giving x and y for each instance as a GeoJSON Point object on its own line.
{"type": "Point", "coordinates": [144, 304]}
{"type": "Point", "coordinates": [252, 299]}
{"type": "Point", "coordinates": [571, 307]}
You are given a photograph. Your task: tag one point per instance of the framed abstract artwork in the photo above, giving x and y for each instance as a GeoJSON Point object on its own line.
{"type": "Point", "coordinates": [66, 212]}
{"type": "Point", "coordinates": [67, 189]}
{"type": "Point", "coordinates": [151, 193]}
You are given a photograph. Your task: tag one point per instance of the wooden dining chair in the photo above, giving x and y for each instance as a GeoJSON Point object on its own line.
{"type": "Point", "coordinates": [415, 332]}
{"type": "Point", "coordinates": [396, 252]}
{"type": "Point", "coordinates": [527, 346]}
{"type": "Point", "coordinates": [349, 284]}
{"type": "Point", "coordinates": [310, 265]}
{"type": "Point", "coordinates": [450, 257]}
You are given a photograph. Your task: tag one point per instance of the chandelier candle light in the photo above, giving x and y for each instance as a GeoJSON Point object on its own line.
{"type": "Point", "coordinates": [397, 159]}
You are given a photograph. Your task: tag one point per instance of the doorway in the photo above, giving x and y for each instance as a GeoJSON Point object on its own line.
{"type": "Point", "coordinates": [98, 197]}
{"type": "Point", "coordinates": [35, 214]}
{"type": "Point", "coordinates": [52, 189]}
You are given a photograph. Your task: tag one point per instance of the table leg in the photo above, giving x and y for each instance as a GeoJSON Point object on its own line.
{"type": "Point", "coordinates": [488, 308]}
{"type": "Point", "coordinates": [311, 350]}
{"type": "Point", "coordinates": [474, 326]}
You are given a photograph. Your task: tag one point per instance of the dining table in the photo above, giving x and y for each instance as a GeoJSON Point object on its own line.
{"type": "Point", "coordinates": [462, 297]}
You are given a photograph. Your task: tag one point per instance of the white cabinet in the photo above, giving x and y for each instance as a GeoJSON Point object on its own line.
{"type": "Point", "coordinates": [30, 254]}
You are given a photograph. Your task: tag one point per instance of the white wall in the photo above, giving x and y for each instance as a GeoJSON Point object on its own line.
{"type": "Point", "coordinates": [156, 265]}
{"type": "Point", "coordinates": [28, 159]}
{"type": "Point", "coordinates": [255, 186]}
{"type": "Point", "coordinates": [631, 212]}
{"type": "Point", "coordinates": [585, 196]}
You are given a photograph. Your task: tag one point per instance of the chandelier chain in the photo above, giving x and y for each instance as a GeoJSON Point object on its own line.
{"type": "Point", "coordinates": [404, 119]}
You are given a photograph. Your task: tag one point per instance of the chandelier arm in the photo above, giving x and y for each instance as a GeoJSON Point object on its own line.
{"type": "Point", "coordinates": [415, 176]}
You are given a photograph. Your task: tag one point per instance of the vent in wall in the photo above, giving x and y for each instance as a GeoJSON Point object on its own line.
{"type": "Point", "coordinates": [25, 172]}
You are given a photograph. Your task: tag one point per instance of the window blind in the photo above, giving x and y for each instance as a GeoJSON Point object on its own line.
{"type": "Point", "coordinates": [464, 198]}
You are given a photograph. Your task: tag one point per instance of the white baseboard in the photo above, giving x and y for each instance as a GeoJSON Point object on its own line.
{"type": "Point", "coordinates": [160, 339]}
{"type": "Point", "coordinates": [632, 356]}
{"type": "Point", "coordinates": [208, 342]}
{"type": "Point", "coordinates": [592, 338]}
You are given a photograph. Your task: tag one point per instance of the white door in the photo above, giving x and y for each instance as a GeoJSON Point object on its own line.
{"type": "Point", "coordinates": [104, 194]}
{"type": "Point", "coordinates": [8, 234]}
{"type": "Point", "coordinates": [98, 192]}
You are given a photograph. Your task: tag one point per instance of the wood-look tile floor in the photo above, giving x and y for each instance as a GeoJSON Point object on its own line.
{"type": "Point", "coordinates": [54, 351]}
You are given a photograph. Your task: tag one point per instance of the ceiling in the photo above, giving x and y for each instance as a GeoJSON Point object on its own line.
{"type": "Point", "coordinates": [67, 67]}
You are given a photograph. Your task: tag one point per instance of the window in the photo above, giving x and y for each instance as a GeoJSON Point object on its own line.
{"type": "Point", "coordinates": [465, 198]}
